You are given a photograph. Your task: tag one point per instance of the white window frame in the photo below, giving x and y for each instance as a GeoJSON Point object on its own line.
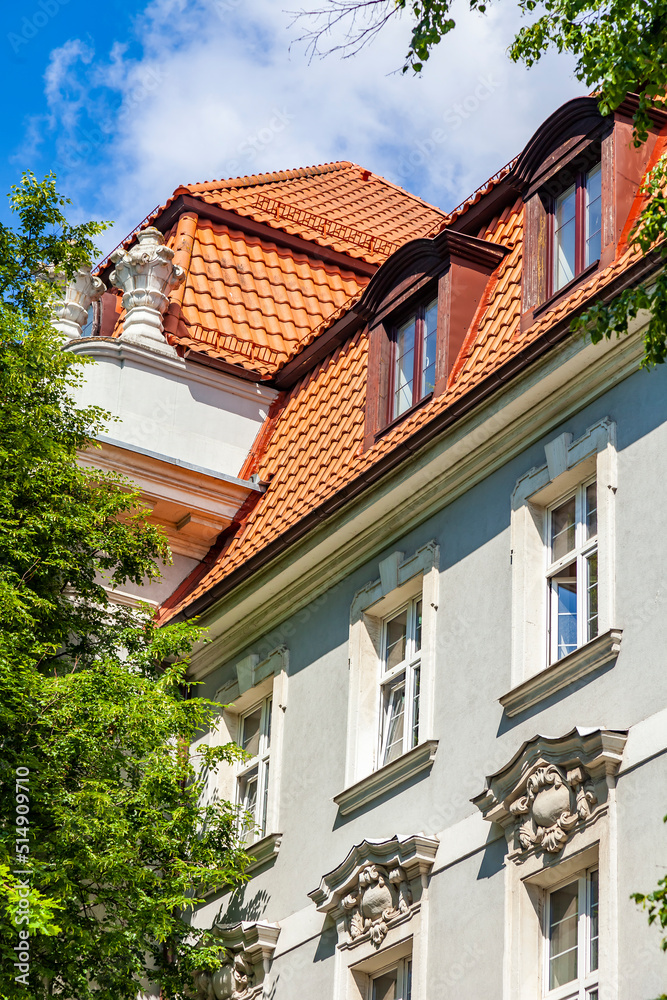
{"type": "Point", "coordinates": [579, 556]}
{"type": "Point", "coordinates": [261, 763]}
{"type": "Point", "coordinates": [389, 681]}
{"type": "Point", "coordinates": [569, 464]}
{"type": "Point", "coordinates": [588, 980]}
{"type": "Point", "coordinates": [402, 578]}
{"type": "Point", "coordinates": [249, 682]}
{"type": "Point", "coordinates": [404, 979]}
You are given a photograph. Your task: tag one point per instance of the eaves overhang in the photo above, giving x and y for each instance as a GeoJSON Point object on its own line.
{"type": "Point", "coordinates": [192, 504]}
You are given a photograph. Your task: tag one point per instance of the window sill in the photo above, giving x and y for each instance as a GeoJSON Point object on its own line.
{"type": "Point", "coordinates": [404, 416]}
{"type": "Point", "coordinates": [264, 851]}
{"type": "Point", "coordinates": [566, 289]}
{"type": "Point", "coordinates": [419, 759]}
{"type": "Point", "coordinates": [564, 672]}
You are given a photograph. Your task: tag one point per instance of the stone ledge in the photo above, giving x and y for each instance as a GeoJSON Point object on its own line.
{"type": "Point", "coordinates": [420, 758]}
{"type": "Point", "coordinates": [263, 851]}
{"type": "Point", "coordinates": [559, 675]}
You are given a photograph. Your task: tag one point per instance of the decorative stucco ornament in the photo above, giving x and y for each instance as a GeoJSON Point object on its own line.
{"type": "Point", "coordinates": [553, 804]}
{"type": "Point", "coordinates": [145, 273]}
{"type": "Point", "coordinates": [381, 895]}
{"type": "Point", "coordinates": [71, 311]}
{"type": "Point", "coordinates": [232, 981]}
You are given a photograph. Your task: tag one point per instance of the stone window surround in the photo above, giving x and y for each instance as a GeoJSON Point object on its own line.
{"type": "Point", "coordinates": [568, 463]}
{"type": "Point", "coordinates": [255, 680]}
{"type": "Point", "coordinates": [531, 871]}
{"type": "Point", "coordinates": [400, 580]}
{"type": "Point", "coordinates": [362, 953]}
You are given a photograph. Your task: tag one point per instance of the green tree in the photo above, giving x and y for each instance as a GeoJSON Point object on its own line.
{"type": "Point", "coordinates": [619, 46]}
{"type": "Point", "coordinates": [106, 839]}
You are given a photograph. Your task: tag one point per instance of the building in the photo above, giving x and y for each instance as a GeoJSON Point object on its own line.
{"type": "Point", "coordinates": [420, 519]}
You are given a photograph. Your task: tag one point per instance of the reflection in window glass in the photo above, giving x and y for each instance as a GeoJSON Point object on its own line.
{"type": "Point", "coordinates": [563, 930]}
{"type": "Point", "coordinates": [400, 682]}
{"type": "Point", "coordinates": [405, 361]}
{"type": "Point", "coordinates": [563, 523]}
{"type": "Point", "coordinates": [573, 573]}
{"type": "Point", "coordinates": [565, 238]}
{"type": "Point", "coordinates": [593, 215]}
{"type": "Point", "coordinates": [397, 632]}
{"type": "Point", "coordinates": [429, 348]}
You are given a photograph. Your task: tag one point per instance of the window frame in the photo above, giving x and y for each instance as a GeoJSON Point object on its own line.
{"type": "Point", "coordinates": [417, 313]}
{"type": "Point", "coordinates": [261, 762]}
{"type": "Point", "coordinates": [579, 556]}
{"type": "Point", "coordinates": [579, 181]}
{"type": "Point", "coordinates": [404, 979]}
{"type": "Point", "coordinates": [587, 981]}
{"type": "Point", "coordinates": [389, 679]}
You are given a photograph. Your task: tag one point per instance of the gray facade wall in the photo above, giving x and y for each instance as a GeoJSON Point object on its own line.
{"type": "Point", "coordinates": [467, 910]}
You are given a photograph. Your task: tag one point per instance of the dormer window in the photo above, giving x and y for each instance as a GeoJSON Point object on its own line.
{"type": "Point", "coordinates": [577, 227]}
{"type": "Point", "coordinates": [414, 358]}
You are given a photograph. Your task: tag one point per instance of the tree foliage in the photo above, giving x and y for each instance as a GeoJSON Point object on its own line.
{"type": "Point", "coordinates": [106, 838]}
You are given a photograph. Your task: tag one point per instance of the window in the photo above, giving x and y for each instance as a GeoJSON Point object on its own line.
{"type": "Point", "coordinates": [253, 780]}
{"type": "Point", "coordinates": [414, 359]}
{"type": "Point", "coordinates": [399, 682]}
{"type": "Point", "coordinates": [571, 936]}
{"type": "Point", "coordinates": [394, 984]}
{"type": "Point", "coordinates": [572, 574]}
{"type": "Point", "coordinates": [577, 227]}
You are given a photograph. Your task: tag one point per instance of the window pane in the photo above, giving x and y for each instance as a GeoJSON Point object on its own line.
{"type": "Point", "coordinates": [265, 799]}
{"type": "Point", "coordinates": [267, 724]}
{"type": "Point", "coordinates": [429, 348]}
{"type": "Point", "coordinates": [591, 510]}
{"type": "Point", "coordinates": [592, 596]}
{"type": "Point", "coordinates": [563, 522]}
{"type": "Point", "coordinates": [249, 798]}
{"type": "Point", "coordinates": [418, 626]}
{"type": "Point", "coordinates": [408, 981]}
{"type": "Point", "coordinates": [564, 586]}
{"type": "Point", "coordinates": [395, 718]}
{"type": "Point", "coordinates": [396, 635]}
{"type": "Point", "coordinates": [563, 935]}
{"type": "Point", "coordinates": [593, 214]}
{"type": "Point", "coordinates": [594, 936]}
{"type": "Point", "coordinates": [251, 730]}
{"type": "Point", "coordinates": [415, 709]}
{"type": "Point", "coordinates": [385, 986]}
{"type": "Point", "coordinates": [404, 370]}
{"type": "Point", "coordinates": [564, 238]}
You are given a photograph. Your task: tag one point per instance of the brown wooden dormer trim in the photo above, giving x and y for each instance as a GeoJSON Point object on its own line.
{"type": "Point", "coordinates": [568, 143]}
{"type": "Point", "coordinates": [452, 266]}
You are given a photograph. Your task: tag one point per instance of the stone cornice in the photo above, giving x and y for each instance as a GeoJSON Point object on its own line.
{"type": "Point", "coordinates": [414, 854]}
{"type": "Point", "coordinates": [563, 673]}
{"type": "Point", "coordinates": [407, 766]}
{"type": "Point", "coordinates": [119, 351]}
{"type": "Point", "coordinates": [551, 787]}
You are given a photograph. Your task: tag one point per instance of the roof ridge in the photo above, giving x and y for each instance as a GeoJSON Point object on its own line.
{"type": "Point", "coordinates": [252, 180]}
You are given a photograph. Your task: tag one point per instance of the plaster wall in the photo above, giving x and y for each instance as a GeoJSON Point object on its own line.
{"type": "Point", "coordinates": [473, 650]}
{"type": "Point", "coordinates": [173, 407]}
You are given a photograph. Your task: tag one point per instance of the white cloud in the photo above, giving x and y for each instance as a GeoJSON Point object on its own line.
{"type": "Point", "coordinates": [219, 91]}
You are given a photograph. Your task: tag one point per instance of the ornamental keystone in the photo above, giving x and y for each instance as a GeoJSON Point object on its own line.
{"type": "Point", "coordinates": [145, 273]}
{"type": "Point", "coordinates": [71, 311]}
{"type": "Point", "coordinates": [551, 788]}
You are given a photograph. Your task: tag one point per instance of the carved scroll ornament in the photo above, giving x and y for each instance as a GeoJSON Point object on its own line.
{"type": "Point", "coordinates": [232, 981]}
{"type": "Point", "coordinates": [552, 806]}
{"type": "Point", "coordinates": [382, 894]}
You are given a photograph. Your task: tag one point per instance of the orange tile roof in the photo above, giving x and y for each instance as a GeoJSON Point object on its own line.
{"type": "Point", "coordinates": [363, 204]}
{"type": "Point", "coordinates": [314, 445]}
{"type": "Point", "coordinates": [250, 300]}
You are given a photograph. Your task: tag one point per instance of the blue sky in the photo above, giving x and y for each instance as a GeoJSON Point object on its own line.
{"type": "Point", "coordinates": [124, 101]}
